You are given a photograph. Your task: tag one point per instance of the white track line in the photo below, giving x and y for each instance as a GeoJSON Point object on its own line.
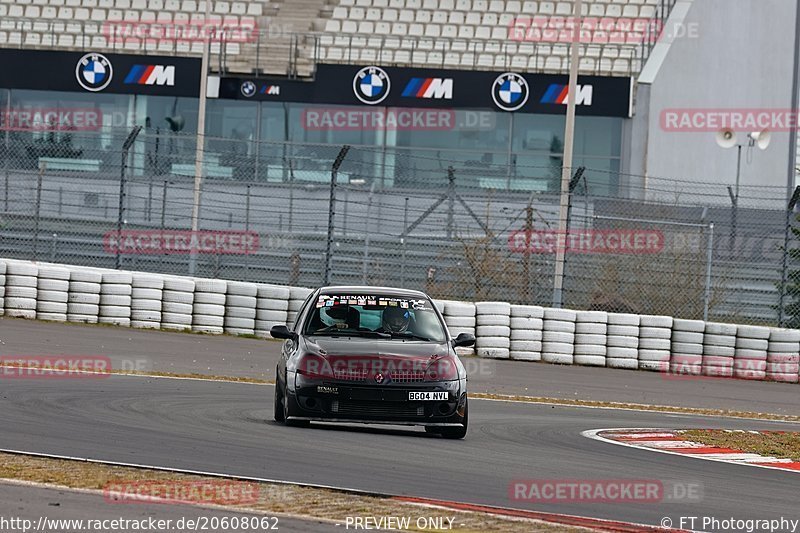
{"type": "Point", "coordinates": [594, 434]}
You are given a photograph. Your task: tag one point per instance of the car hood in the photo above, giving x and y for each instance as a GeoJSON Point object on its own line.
{"type": "Point", "coordinates": [333, 348]}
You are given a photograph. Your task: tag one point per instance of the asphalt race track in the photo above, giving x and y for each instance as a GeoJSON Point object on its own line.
{"type": "Point", "coordinates": [227, 428]}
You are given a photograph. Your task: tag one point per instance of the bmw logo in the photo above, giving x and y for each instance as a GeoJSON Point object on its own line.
{"type": "Point", "coordinates": [94, 72]}
{"type": "Point", "coordinates": [248, 89]}
{"type": "Point", "coordinates": [371, 85]}
{"type": "Point", "coordinates": [510, 91]}
{"type": "Point", "coordinates": [379, 378]}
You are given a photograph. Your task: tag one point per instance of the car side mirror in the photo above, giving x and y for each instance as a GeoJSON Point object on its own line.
{"type": "Point", "coordinates": [464, 339]}
{"type": "Point", "coordinates": [279, 331]}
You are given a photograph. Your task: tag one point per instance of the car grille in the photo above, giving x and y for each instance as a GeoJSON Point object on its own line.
{"type": "Point", "coordinates": [388, 409]}
{"type": "Point", "coordinates": [350, 375]}
{"type": "Point", "coordinates": [408, 376]}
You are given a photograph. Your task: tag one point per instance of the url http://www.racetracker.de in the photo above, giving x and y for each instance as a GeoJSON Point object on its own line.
{"type": "Point", "coordinates": [713, 523]}
{"type": "Point", "coordinates": [167, 525]}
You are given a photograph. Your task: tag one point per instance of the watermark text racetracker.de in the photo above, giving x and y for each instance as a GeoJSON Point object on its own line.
{"type": "Point", "coordinates": [168, 491]}
{"type": "Point", "coordinates": [145, 242]}
{"type": "Point", "coordinates": [708, 523]}
{"type": "Point", "coordinates": [710, 120]}
{"type": "Point", "coordinates": [614, 241]}
{"type": "Point", "coordinates": [604, 491]}
{"type": "Point", "coordinates": [54, 366]}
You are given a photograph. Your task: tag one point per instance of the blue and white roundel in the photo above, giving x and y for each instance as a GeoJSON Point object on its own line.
{"type": "Point", "coordinates": [510, 91]}
{"type": "Point", "coordinates": [371, 85]}
{"type": "Point", "coordinates": [94, 72]}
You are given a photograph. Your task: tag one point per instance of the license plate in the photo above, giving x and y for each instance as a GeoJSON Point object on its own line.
{"type": "Point", "coordinates": [427, 396]}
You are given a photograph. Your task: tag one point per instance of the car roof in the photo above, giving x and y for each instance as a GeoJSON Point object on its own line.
{"type": "Point", "coordinates": [378, 291]}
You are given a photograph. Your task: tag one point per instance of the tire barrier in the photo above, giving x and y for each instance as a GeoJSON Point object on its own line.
{"type": "Point", "coordinates": [527, 329]}
{"type": "Point", "coordinates": [503, 331]}
{"type": "Point", "coordinates": [493, 330]}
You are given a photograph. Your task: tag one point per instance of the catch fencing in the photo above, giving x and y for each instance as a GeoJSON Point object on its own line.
{"type": "Point", "coordinates": [455, 224]}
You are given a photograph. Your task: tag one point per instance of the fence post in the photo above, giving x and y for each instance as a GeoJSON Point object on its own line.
{"type": "Point", "coordinates": [163, 217]}
{"type": "Point", "coordinates": [122, 168]}
{"type": "Point", "coordinates": [785, 260]}
{"type": "Point", "coordinates": [331, 212]}
{"type": "Point", "coordinates": [38, 211]}
{"type": "Point", "coordinates": [709, 259]}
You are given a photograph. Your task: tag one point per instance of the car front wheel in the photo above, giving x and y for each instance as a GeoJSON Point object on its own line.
{"type": "Point", "coordinates": [457, 432]}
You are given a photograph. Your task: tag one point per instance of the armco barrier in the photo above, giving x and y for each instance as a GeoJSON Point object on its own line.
{"type": "Point", "coordinates": [560, 336]}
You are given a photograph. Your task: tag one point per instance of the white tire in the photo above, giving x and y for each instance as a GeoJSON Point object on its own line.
{"type": "Point", "coordinates": [51, 307]}
{"type": "Point", "coordinates": [275, 305]}
{"type": "Point", "coordinates": [750, 355]}
{"type": "Point", "coordinates": [210, 298]}
{"type": "Point", "coordinates": [240, 312]}
{"type": "Point", "coordinates": [144, 324]}
{"type": "Point", "coordinates": [622, 331]}
{"type": "Point", "coordinates": [146, 305]}
{"type": "Point", "coordinates": [719, 351]}
{"type": "Point", "coordinates": [691, 326]}
{"type": "Point", "coordinates": [784, 335]}
{"type": "Point", "coordinates": [295, 305]}
{"type": "Point", "coordinates": [558, 347]}
{"type": "Point", "coordinates": [750, 364]}
{"type": "Point", "coordinates": [241, 288]}
{"type": "Point", "coordinates": [114, 311]}
{"type": "Point", "coordinates": [493, 308]}
{"type": "Point", "coordinates": [557, 358]}
{"type": "Point", "coordinates": [616, 352]}
{"type": "Point", "coordinates": [583, 338]}
{"type": "Point", "coordinates": [266, 325]}
{"type": "Point", "coordinates": [177, 297]}
{"type": "Point", "coordinates": [83, 298]}
{"type": "Point", "coordinates": [21, 268]}
{"type": "Point", "coordinates": [589, 360]}
{"type": "Point", "coordinates": [235, 300]}
{"type": "Point", "coordinates": [689, 337]}
{"type": "Point", "coordinates": [180, 319]}
{"type": "Point", "coordinates": [655, 344]}
{"type": "Point", "coordinates": [115, 289]}
{"type": "Point", "coordinates": [176, 308]}
{"type": "Point", "coordinates": [629, 343]}
{"type": "Point", "coordinates": [526, 335]}
{"type": "Point", "coordinates": [558, 336]}
{"type": "Point", "coordinates": [590, 328]}
{"type": "Point", "coordinates": [654, 355]}
{"type": "Point", "coordinates": [85, 319]}
{"type": "Point", "coordinates": [718, 371]}
{"type": "Point", "coordinates": [464, 309]}
{"type": "Point", "coordinates": [752, 344]}
{"type": "Point", "coordinates": [647, 332]}
{"type": "Point", "coordinates": [687, 348]}
{"type": "Point", "coordinates": [239, 323]}
{"type": "Point", "coordinates": [525, 356]}
{"type": "Point", "coordinates": [713, 360]}
{"type": "Point", "coordinates": [685, 369]}
{"type": "Point", "coordinates": [493, 331]}
{"type": "Point", "coordinates": [563, 315]}
{"type": "Point", "coordinates": [144, 315]}
{"type": "Point", "coordinates": [177, 284]}
{"type": "Point", "coordinates": [623, 319]}
{"type": "Point", "coordinates": [239, 331]}
{"type": "Point", "coordinates": [783, 378]}
{"type": "Point", "coordinates": [176, 327]}
{"type": "Point", "coordinates": [719, 340]}
{"type": "Point", "coordinates": [210, 285]}
{"type": "Point", "coordinates": [779, 358]}
{"type": "Point", "coordinates": [273, 292]}
{"type": "Point", "coordinates": [146, 294]}
{"type": "Point", "coordinates": [561, 326]}
{"type": "Point", "coordinates": [462, 322]}
{"type": "Point", "coordinates": [526, 346]}
{"type": "Point", "coordinates": [629, 364]}
{"type": "Point", "coordinates": [654, 366]}
{"type": "Point", "coordinates": [123, 301]}
{"type": "Point", "coordinates": [2, 268]}
{"type": "Point", "coordinates": [753, 332]}
{"type": "Point", "coordinates": [82, 275]}
{"type": "Point", "coordinates": [212, 330]}
{"type": "Point", "coordinates": [29, 314]}
{"type": "Point", "coordinates": [781, 347]}
{"type": "Point", "coordinates": [590, 350]}
{"type": "Point", "coordinates": [526, 323]}
{"type": "Point", "coordinates": [718, 328]}
{"type": "Point", "coordinates": [116, 321]}
{"type": "Point", "coordinates": [492, 342]}
{"type": "Point", "coordinates": [84, 287]}
{"type": "Point", "coordinates": [269, 315]}
{"type": "Point", "coordinates": [83, 309]}
{"type": "Point", "coordinates": [208, 320]}
{"type": "Point", "coordinates": [527, 311]}
{"type": "Point", "coordinates": [655, 321]}
{"type": "Point", "coordinates": [21, 292]}
{"type": "Point", "coordinates": [22, 281]}
{"type": "Point", "coordinates": [493, 353]}
{"type": "Point", "coordinates": [493, 320]}
{"type": "Point", "coordinates": [591, 317]}
{"type": "Point", "coordinates": [686, 359]}
{"type": "Point", "coordinates": [209, 309]}
{"type": "Point", "coordinates": [299, 293]}
{"type": "Point", "coordinates": [750, 374]}
{"type": "Point", "coordinates": [118, 278]}
{"type": "Point", "coordinates": [147, 282]}
{"type": "Point", "coordinates": [51, 317]}
{"type": "Point", "coordinates": [57, 285]}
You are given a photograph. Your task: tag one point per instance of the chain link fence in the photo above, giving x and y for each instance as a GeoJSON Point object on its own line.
{"type": "Point", "coordinates": [457, 226]}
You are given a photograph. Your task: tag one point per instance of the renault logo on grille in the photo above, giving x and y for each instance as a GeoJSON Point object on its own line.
{"type": "Point", "coordinates": [379, 378]}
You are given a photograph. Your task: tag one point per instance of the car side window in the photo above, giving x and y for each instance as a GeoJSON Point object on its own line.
{"type": "Point", "coordinates": [301, 314]}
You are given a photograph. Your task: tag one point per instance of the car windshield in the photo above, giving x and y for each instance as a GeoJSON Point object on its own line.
{"type": "Point", "coordinates": [379, 316]}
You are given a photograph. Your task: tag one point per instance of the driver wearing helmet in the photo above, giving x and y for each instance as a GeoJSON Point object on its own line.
{"type": "Point", "coordinates": [395, 320]}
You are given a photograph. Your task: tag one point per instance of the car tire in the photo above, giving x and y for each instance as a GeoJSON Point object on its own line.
{"type": "Point", "coordinates": [457, 432]}
{"type": "Point", "coordinates": [278, 413]}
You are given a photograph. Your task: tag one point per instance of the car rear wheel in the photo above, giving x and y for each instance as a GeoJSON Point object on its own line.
{"type": "Point", "coordinates": [457, 432]}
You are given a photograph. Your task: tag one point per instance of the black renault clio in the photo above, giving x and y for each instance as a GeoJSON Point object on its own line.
{"type": "Point", "coordinates": [372, 355]}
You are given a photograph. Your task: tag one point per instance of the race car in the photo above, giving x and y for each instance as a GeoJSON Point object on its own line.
{"type": "Point", "coordinates": [371, 355]}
